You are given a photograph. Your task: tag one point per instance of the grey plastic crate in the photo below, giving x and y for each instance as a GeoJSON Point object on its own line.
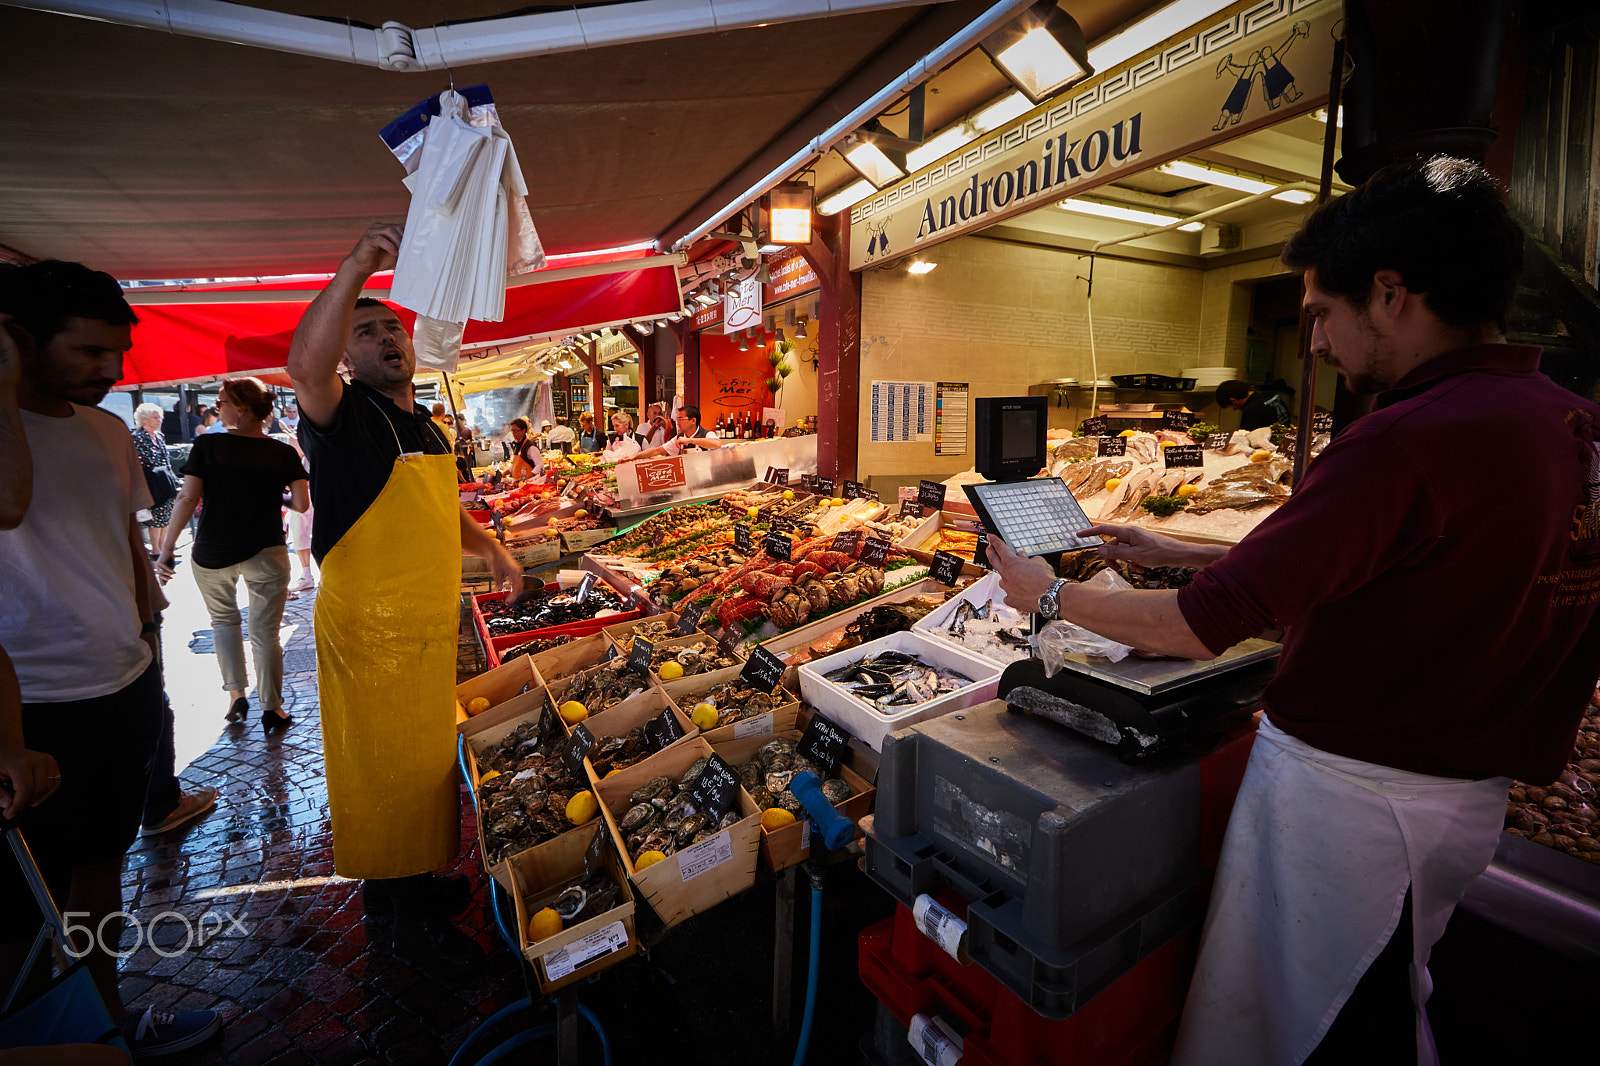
{"type": "Point", "coordinates": [1074, 864]}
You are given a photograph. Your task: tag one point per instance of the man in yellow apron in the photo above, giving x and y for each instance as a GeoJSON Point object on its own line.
{"type": "Point", "coordinates": [389, 535]}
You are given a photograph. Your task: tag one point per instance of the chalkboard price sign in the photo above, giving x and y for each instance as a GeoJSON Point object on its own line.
{"type": "Point", "coordinates": [763, 670]}
{"type": "Point", "coordinates": [778, 546]}
{"type": "Point", "coordinates": [1095, 427]}
{"type": "Point", "coordinates": [823, 743]}
{"type": "Point", "coordinates": [1218, 442]}
{"type": "Point", "coordinates": [577, 749]}
{"type": "Point", "coordinates": [1321, 422]}
{"type": "Point", "coordinates": [780, 476]}
{"type": "Point", "coordinates": [910, 508]}
{"type": "Point", "coordinates": [930, 494]}
{"type": "Point", "coordinates": [847, 542]}
{"type": "Point", "coordinates": [778, 523]}
{"type": "Point", "coordinates": [980, 554]}
{"type": "Point", "coordinates": [945, 568]}
{"type": "Point", "coordinates": [741, 538]}
{"type": "Point", "coordinates": [639, 657]}
{"type": "Point", "coordinates": [728, 642]}
{"type": "Point", "coordinates": [875, 551]}
{"type": "Point", "coordinates": [824, 486]}
{"type": "Point", "coordinates": [852, 490]}
{"type": "Point", "coordinates": [1182, 455]}
{"type": "Point", "coordinates": [1177, 419]}
{"type": "Point", "coordinates": [716, 789]}
{"type": "Point", "coordinates": [661, 730]}
{"type": "Point", "coordinates": [808, 481]}
{"type": "Point", "coordinates": [1111, 446]}
{"type": "Point", "coordinates": [689, 617]}
{"type": "Point", "coordinates": [870, 494]}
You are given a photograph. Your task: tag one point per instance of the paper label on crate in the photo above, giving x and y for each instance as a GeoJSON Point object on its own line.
{"type": "Point", "coordinates": [930, 494]}
{"type": "Point", "coordinates": [559, 964]}
{"type": "Point", "coordinates": [759, 726]}
{"type": "Point", "coordinates": [805, 834]}
{"type": "Point", "coordinates": [875, 551]}
{"type": "Point", "coordinates": [945, 568]}
{"type": "Point", "coordinates": [1111, 446]}
{"type": "Point", "coordinates": [689, 617]}
{"type": "Point", "coordinates": [940, 926]}
{"type": "Point", "coordinates": [639, 656]}
{"type": "Point", "coordinates": [741, 538]}
{"type": "Point", "coordinates": [852, 490]}
{"type": "Point", "coordinates": [933, 1043]}
{"type": "Point", "coordinates": [716, 789]}
{"type": "Point", "coordinates": [823, 742]}
{"type": "Point", "coordinates": [704, 856]}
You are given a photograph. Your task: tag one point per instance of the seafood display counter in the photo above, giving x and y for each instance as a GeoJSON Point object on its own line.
{"type": "Point", "coordinates": [701, 475]}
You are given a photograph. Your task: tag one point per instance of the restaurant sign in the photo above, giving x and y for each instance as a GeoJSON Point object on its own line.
{"type": "Point", "coordinates": [791, 276]}
{"type": "Point", "coordinates": [1241, 70]}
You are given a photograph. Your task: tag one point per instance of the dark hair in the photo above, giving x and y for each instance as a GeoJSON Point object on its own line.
{"type": "Point", "coordinates": [367, 301]}
{"type": "Point", "coordinates": [690, 411]}
{"type": "Point", "coordinates": [249, 394]}
{"type": "Point", "coordinates": [42, 296]}
{"type": "Point", "coordinates": [1230, 391]}
{"type": "Point", "coordinates": [520, 423]}
{"type": "Point", "coordinates": [1440, 223]}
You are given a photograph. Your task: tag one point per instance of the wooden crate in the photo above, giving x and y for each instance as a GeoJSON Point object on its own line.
{"type": "Point", "coordinates": [684, 642]}
{"type": "Point", "coordinates": [527, 557]}
{"type": "Point", "coordinates": [583, 539]}
{"type": "Point", "coordinates": [534, 875]}
{"type": "Point", "coordinates": [557, 694]}
{"type": "Point", "coordinates": [632, 713]}
{"type": "Point", "coordinates": [500, 684]}
{"type": "Point", "coordinates": [618, 634]}
{"type": "Point", "coordinates": [783, 848]}
{"type": "Point", "coordinates": [567, 659]}
{"type": "Point", "coordinates": [920, 542]}
{"type": "Point", "coordinates": [483, 732]}
{"type": "Point", "coordinates": [688, 882]}
{"type": "Point", "coordinates": [686, 692]}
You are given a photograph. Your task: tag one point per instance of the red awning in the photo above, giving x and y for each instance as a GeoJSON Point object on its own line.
{"type": "Point", "coordinates": [186, 341]}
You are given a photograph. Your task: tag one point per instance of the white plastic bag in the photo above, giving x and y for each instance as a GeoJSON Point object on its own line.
{"type": "Point", "coordinates": [1059, 639]}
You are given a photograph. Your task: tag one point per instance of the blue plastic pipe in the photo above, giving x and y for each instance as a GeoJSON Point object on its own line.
{"type": "Point", "coordinates": [836, 829]}
{"type": "Point", "coordinates": [811, 976]}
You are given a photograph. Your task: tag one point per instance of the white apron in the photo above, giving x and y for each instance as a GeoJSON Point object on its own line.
{"type": "Point", "coordinates": [1319, 852]}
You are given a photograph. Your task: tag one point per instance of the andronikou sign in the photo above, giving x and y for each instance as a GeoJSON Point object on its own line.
{"type": "Point", "coordinates": [1246, 68]}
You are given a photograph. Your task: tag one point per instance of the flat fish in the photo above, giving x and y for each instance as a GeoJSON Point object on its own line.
{"type": "Point", "coordinates": [1077, 476]}
{"type": "Point", "coordinates": [1240, 495]}
{"type": "Point", "coordinates": [1142, 487]}
{"type": "Point", "coordinates": [1272, 471]}
{"type": "Point", "coordinates": [1110, 470]}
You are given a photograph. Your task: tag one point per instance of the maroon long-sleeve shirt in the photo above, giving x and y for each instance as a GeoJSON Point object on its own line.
{"type": "Point", "coordinates": [1437, 575]}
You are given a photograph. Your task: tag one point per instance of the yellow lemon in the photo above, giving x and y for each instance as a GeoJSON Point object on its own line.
{"type": "Point", "coordinates": [580, 513]}
{"type": "Point", "coordinates": [618, 770]}
{"type": "Point", "coordinates": [704, 717]}
{"type": "Point", "coordinates": [572, 712]}
{"type": "Point", "coordinates": [1113, 483]}
{"type": "Point", "coordinates": [1259, 456]}
{"type": "Point", "coordinates": [775, 818]}
{"type": "Point", "coordinates": [788, 494]}
{"type": "Point", "coordinates": [1164, 445]}
{"type": "Point", "coordinates": [752, 512]}
{"type": "Point", "coordinates": [648, 859]}
{"type": "Point", "coordinates": [836, 502]}
{"type": "Point", "coordinates": [1127, 433]}
{"type": "Point", "coordinates": [582, 807]}
{"type": "Point", "coordinates": [544, 924]}
{"type": "Point", "coordinates": [478, 704]}
{"type": "Point", "coordinates": [1188, 490]}
{"type": "Point", "coordinates": [670, 670]}
{"type": "Point", "coordinates": [490, 776]}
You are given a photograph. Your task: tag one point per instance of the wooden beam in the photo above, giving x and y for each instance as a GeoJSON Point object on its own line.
{"type": "Point", "coordinates": [838, 348]}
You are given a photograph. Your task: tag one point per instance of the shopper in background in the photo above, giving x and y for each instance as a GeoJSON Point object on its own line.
{"type": "Point", "coordinates": [1376, 788]}
{"type": "Point", "coordinates": [242, 476]}
{"type": "Point", "coordinates": [299, 532]}
{"type": "Point", "coordinates": [657, 428]}
{"type": "Point", "coordinates": [526, 459]}
{"type": "Point", "coordinates": [76, 621]}
{"type": "Point", "coordinates": [622, 441]}
{"type": "Point", "coordinates": [560, 434]}
{"type": "Point", "coordinates": [446, 422]}
{"type": "Point", "coordinates": [1257, 407]}
{"type": "Point", "coordinates": [176, 421]}
{"type": "Point", "coordinates": [158, 473]}
{"type": "Point", "coordinates": [389, 536]}
{"type": "Point", "coordinates": [210, 421]}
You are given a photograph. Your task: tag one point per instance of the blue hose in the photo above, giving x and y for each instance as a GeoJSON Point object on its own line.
{"type": "Point", "coordinates": [506, 1047]}
{"type": "Point", "coordinates": [459, 1058]}
{"type": "Point", "coordinates": [811, 976]}
{"type": "Point", "coordinates": [594, 1023]}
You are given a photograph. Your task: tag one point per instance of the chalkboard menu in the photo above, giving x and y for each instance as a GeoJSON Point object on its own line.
{"type": "Point", "coordinates": [1095, 427]}
{"type": "Point", "coordinates": [689, 616]}
{"type": "Point", "coordinates": [716, 789]}
{"type": "Point", "coordinates": [875, 551]}
{"type": "Point", "coordinates": [778, 546]}
{"type": "Point", "coordinates": [741, 538]}
{"type": "Point", "coordinates": [852, 490]}
{"type": "Point", "coordinates": [930, 494]}
{"type": "Point", "coordinates": [763, 670]}
{"type": "Point", "coordinates": [577, 749]}
{"type": "Point", "coordinates": [1177, 419]}
{"type": "Point", "coordinates": [945, 568]}
{"type": "Point", "coordinates": [661, 730]}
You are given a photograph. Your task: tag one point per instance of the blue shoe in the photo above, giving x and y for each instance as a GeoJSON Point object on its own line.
{"type": "Point", "coordinates": [158, 1032]}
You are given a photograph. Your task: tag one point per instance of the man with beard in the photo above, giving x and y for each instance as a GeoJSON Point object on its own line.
{"type": "Point", "coordinates": [1433, 649]}
{"type": "Point", "coordinates": [389, 536]}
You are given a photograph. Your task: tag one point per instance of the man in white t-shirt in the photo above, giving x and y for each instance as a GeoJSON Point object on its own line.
{"type": "Point", "coordinates": [691, 434]}
{"type": "Point", "coordinates": [77, 623]}
{"type": "Point", "coordinates": [559, 434]}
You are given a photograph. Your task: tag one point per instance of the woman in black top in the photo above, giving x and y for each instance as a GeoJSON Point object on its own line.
{"type": "Point", "coordinates": [241, 475]}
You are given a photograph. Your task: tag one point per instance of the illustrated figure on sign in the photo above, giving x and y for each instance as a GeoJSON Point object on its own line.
{"type": "Point", "coordinates": [878, 241]}
{"type": "Point", "coordinates": [1277, 81]}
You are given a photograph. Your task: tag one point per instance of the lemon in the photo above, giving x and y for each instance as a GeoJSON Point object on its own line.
{"type": "Point", "coordinates": [788, 494]}
{"type": "Point", "coordinates": [572, 712]}
{"type": "Point", "coordinates": [543, 925]}
{"type": "Point", "coordinates": [1188, 490]}
{"type": "Point", "coordinates": [752, 512]}
{"type": "Point", "coordinates": [1127, 433]}
{"type": "Point", "coordinates": [775, 818]}
{"type": "Point", "coordinates": [1113, 483]}
{"type": "Point", "coordinates": [582, 807]}
{"type": "Point", "coordinates": [648, 859]}
{"type": "Point", "coordinates": [704, 717]}
{"type": "Point", "coordinates": [670, 671]}
{"type": "Point", "coordinates": [1164, 445]}
{"type": "Point", "coordinates": [580, 513]}
{"type": "Point", "coordinates": [611, 773]}
{"type": "Point", "coordinates": [837, 501]}
{"type": "Point", "coordinates": [478, 704]}
{"type": "Point", "coordinates": [1260, 456]}
{"type": "Point", "coordinates": [490, 776]}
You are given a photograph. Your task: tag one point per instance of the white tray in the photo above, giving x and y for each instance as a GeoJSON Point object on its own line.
{"type": "Point", "coordinates": [866, 722]}
{"type": "Point", "coordinates": [985, 588]}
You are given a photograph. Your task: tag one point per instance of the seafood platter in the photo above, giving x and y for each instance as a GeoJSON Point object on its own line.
{"type": "Point", "coordinates": [899, 680]}
{"type": "Point", "coordinates": [574, 908]}
{"type": "Point", "coordinates": [979, 621]}
{"type": "Point", "coordinates": [542, 613]}
{"type": "Point", "coordinates": [765, 766]}
{"type": "Point", "coordinates": [893, 612]}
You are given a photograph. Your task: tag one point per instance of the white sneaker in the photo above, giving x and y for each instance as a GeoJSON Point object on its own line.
{"type": "Point", "coordinates": [306, 582]}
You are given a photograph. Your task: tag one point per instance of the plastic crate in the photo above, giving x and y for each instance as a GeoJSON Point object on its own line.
{"type": "Point", "coordinates": [493, 645]}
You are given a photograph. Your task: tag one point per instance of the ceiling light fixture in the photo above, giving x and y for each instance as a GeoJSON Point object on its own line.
{"type": "Point", "coordinates": [789, 214]}
{"type": "Point", "coordinates": [1127, 214]}
{"type": "Point", "coordinates": [880, 166]}
{"type": "Point", "coordinates": [919, 266]}
{"type": "Point", "coordinates": [800, 331]}
{"type": "Point", "coordinates": [1227, 179]}
{"type": "Point", "coordinates": [846, 197]}
{"type": "Point", "coordinates": [1295, 196]}
{"type": "Point", "coordinates": [1042, 52]}
{"type": "Point", "coordinates": [744, 340]}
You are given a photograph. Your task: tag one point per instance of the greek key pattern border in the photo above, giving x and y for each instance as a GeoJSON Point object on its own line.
{"type": "Point", "coordinates": [1176, 56]}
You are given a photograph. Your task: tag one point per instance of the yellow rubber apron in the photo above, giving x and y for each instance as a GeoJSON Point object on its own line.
{"type": "Point", "coordinates": [387, 617]}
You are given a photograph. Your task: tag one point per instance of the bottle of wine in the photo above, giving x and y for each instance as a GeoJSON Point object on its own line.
{"type": "Point", "coordinates": [721, 423]}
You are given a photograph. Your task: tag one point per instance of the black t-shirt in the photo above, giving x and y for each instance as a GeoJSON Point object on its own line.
{"type": "Point", "coordinates": [351, 459]}
{"type": "Point", "coordinates": [243, 481]}
{"type": "Point", "coordinates": [1262, 409]}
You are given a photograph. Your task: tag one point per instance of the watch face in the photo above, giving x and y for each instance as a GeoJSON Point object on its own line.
{"type": "Point", "coordinates": [1047, 604]}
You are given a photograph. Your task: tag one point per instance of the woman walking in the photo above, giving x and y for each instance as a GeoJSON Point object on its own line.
{"type": "Point", "coordinates": [158, 474]}
{"type": "Point", "coordinates": [242, 475]}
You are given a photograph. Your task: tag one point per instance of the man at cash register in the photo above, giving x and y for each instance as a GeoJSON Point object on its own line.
{"type": "Point", "coordinates": [1414, 682]}
{"type": "Point", "coordinates": [691, 434]}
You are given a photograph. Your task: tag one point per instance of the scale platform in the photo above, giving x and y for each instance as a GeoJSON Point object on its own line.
{"type": "Point", "coordinates": [1154, 677]}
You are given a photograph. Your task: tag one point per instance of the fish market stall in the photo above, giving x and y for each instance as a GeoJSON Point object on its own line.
{"type": "Point", "coordinates": [652, 484]}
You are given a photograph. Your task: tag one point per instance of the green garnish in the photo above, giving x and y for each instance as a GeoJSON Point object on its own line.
{"type": "Point", "coordinates": [1164, 506]}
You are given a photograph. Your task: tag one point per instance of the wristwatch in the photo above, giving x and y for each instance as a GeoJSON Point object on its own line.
{"type": "Point", "coordinates": [1048, 604]}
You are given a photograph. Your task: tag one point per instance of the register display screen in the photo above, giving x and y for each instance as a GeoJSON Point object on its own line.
{"type": "Point", "coordinates": [1019, 434]}
{"type": "Point", "coordinates": [1034, 517]}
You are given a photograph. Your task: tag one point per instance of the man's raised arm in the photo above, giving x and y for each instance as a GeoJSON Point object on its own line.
{"type": "Point", "coordinates": [319, 340]}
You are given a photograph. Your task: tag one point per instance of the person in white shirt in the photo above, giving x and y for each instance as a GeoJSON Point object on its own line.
{"type": "Point", "coordinates": [562, 435]}
{"type": "Point", "coordinates": [657, 428]}
{"type": "Point", "coordinates": [623, 441]}
{"type": "Point", "coordinates": [691, 434]}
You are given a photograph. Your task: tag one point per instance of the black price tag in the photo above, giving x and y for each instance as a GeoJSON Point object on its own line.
{"type": "Point", "coordinates": [716, 789]}
{"type": "Point", "coordinates": [847, 542]}
{"type": "Point", "coordinates": [1111, 446]}
{"type": "Point", "coordinates": [1321, 422]}
{"type": "Point", "coordinates": [1218, 441]}
{"type": "Point", "coordinates": [1182, 455]}
{"type": "Point", "coordinates": [852, 490]}
{"type": "Point", "coordinates": [639, 657]}
{"type": "Point", "coordinates": [824, 486]}
{"type": "Point", "coordinates": [930, 494]}
{"type": "Point", "coordinates": [1177, 419]}
{"type": "Point", "coordinates": [661, 730]}
{"type": "Point", "coordinates": [778, 546]}
{"type": "Point", "coordinates": [780, 524]}
{"type": "Point", "coordinates": [808, 481]}
{"type": "Point", "coordinates": [910, 508]}
{"type": "Point", "coordinates": [871, 494]}
{"type": "Point", "coordinates": [741, 538]}
{"type": "Point", "coordinates": [945, 568]}
{"type": "Point", "coordinates": [780, 475]}
{"type": "Point", "coordinates": [611, 653]}
{"type": "Point", "coordinates": [1096, 426]}
{"type": "Point", "coordinates": [689, 617]}
{"type": "Point", "coordinates": [823, 743]}
{"type": "Point", "coordinates": [763, 670]}
{"type": "Point", "coordinates": [980, 554]}
{"type": "Point", "coordinates": [728, 644]}
{"type": "Point", "coordinates": [577, 748]}
{"type": "Point", "coordinates": [875, 551]}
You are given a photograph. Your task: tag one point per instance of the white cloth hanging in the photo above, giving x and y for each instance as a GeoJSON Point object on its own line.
{"type": "Point", "coordinates": [1319, 853]}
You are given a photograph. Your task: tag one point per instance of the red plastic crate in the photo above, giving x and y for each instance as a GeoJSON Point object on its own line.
{"type": "Point", "coordinates": [1131, 1023]}
{"type": "Point", "coordinates": [493, 646]}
